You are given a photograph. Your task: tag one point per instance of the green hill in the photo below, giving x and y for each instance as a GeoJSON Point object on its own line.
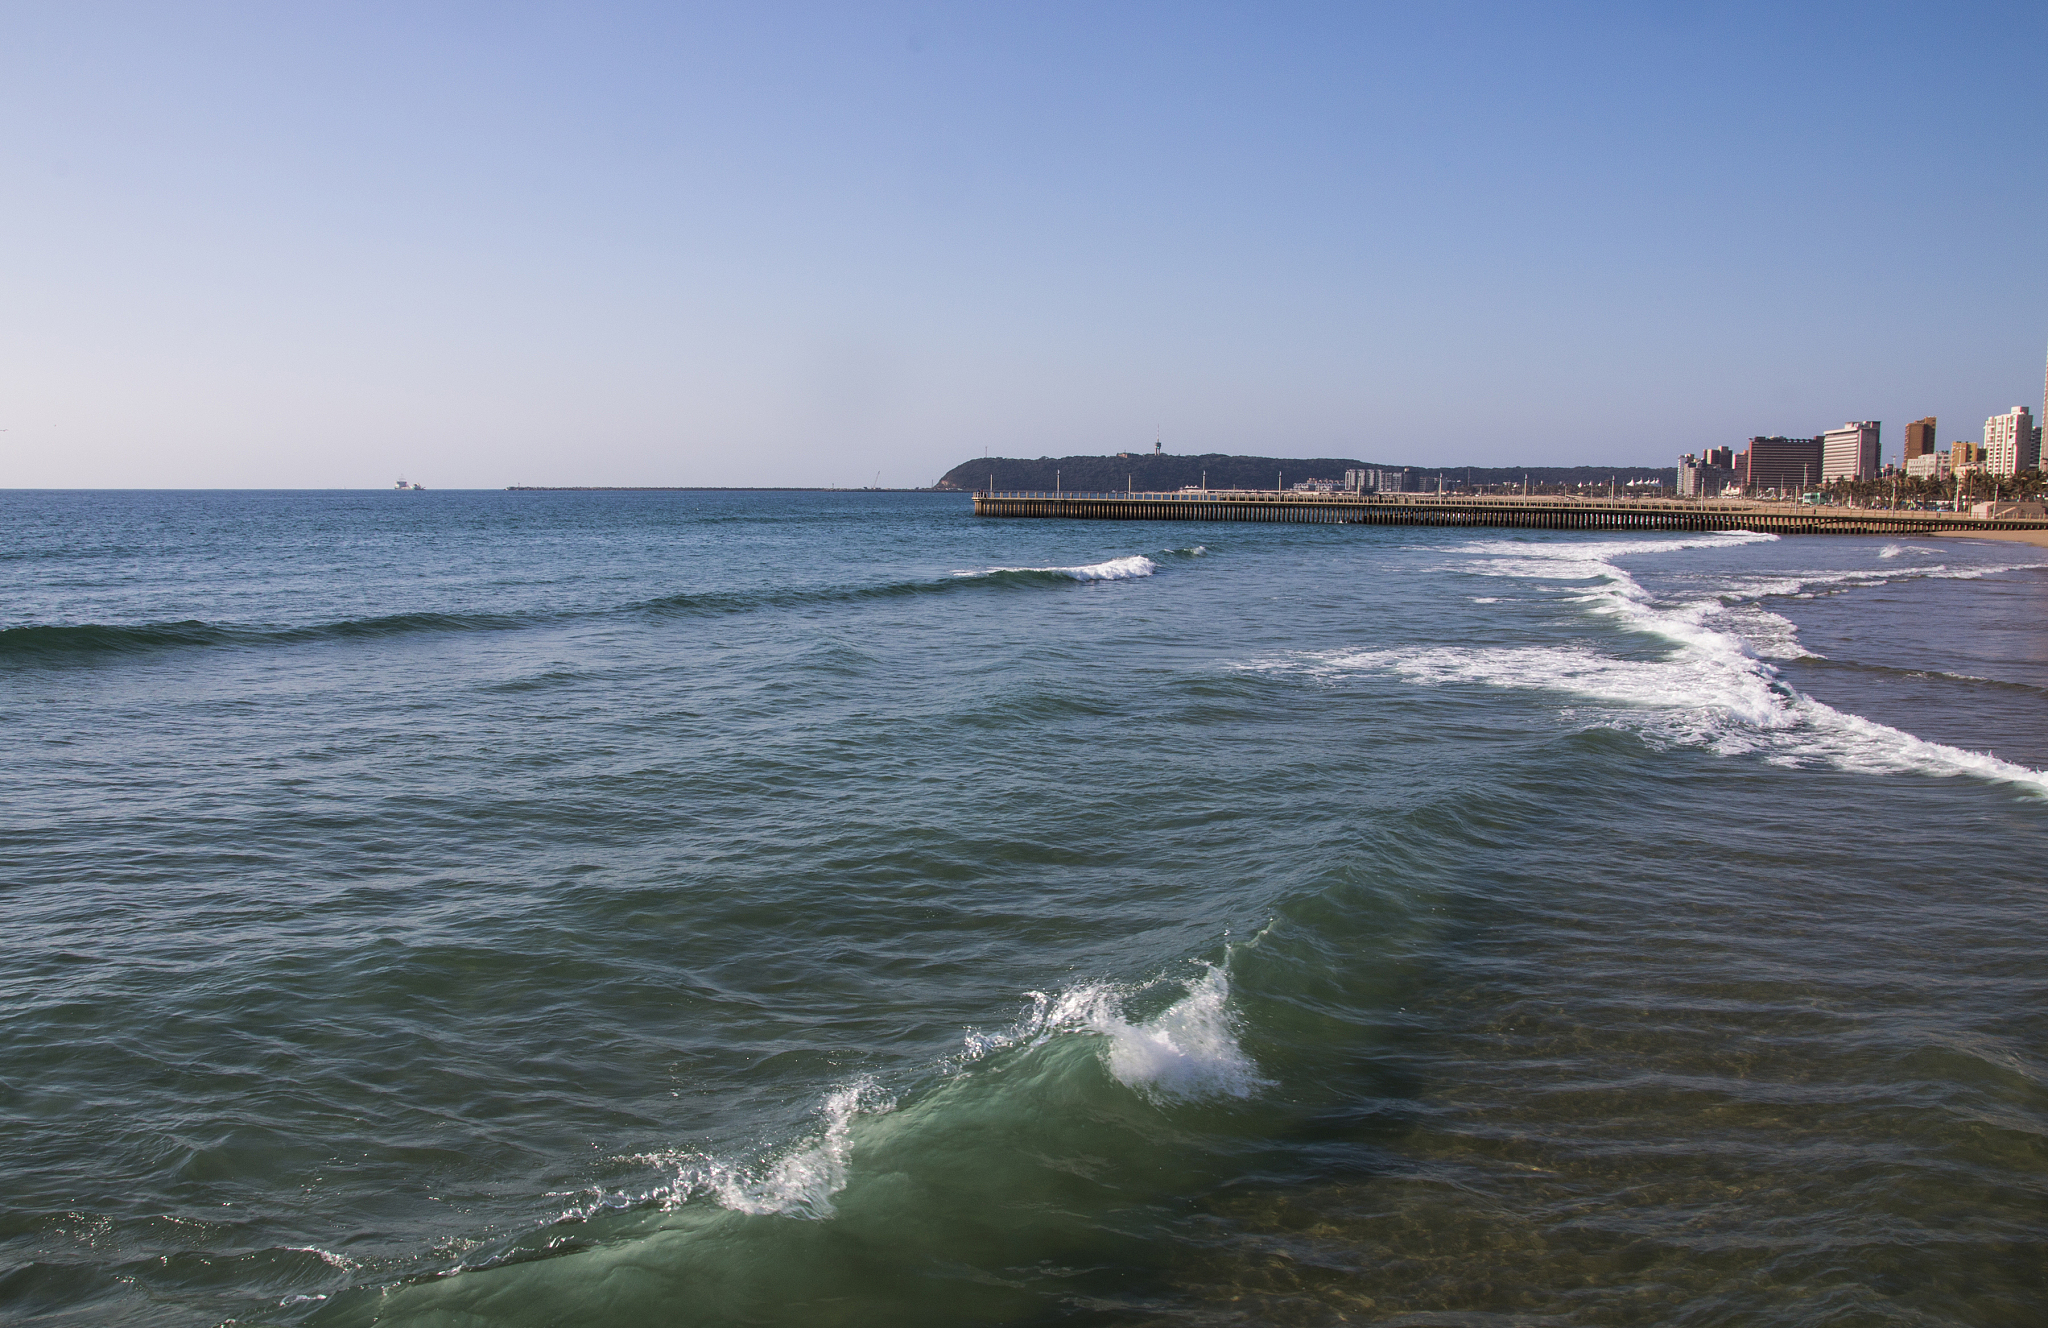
{"type": "Point", "coordinates": [1147, 472]}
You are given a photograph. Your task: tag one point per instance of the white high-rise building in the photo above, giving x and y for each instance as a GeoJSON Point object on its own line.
{"type": "Point", "coordinates": [1851, 452]}
{"type": "Point", "coordinates": [1928, 466]}
{"type": "Point", "coordinates": [1376, 480]}
{"type": "Point", "coordinates": [2010, 443]}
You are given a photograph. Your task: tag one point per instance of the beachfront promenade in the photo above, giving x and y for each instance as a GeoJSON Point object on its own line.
{"type": "Point", "coordinates": [1534, 512]}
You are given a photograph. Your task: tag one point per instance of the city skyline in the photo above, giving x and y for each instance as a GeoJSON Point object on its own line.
{"type": "Point", "coordinates": [1855, 450]}
{"type": "Point", "coordinates": [621, 244]}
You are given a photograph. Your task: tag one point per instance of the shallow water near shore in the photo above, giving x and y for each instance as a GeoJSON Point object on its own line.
{"type": "Point", "coordinates": [695, 908]}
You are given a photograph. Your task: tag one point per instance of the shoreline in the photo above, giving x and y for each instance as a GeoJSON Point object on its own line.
{"type": "Point", "coordinates": [2038, 538]}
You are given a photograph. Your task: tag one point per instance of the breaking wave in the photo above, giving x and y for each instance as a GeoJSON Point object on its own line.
{"type": "Point", "coordinates": [1716, 689]}
{"type": "Point", "coordinates": [1187, 1051]}
{"type": "Point", "coordinates": [1115, 569]}
{"type": "Point", "coordinates": [1585, 560]}
{"type": "Point", "coordinates": [800, 1181]}
{"type": "Point", "coordinates": [1730, 703]}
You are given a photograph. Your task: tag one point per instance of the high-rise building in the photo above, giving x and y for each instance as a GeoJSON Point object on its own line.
{"type": "Point", "coordinates": [1850, 452]}
{"type": "Point", "coordinates": [1785, 464]}
{"type": "Point", "coordinates": [1377, 480]}
{"type": "Point", "coordinates": [1928, 466]}
{"type": "Point", "coordinates": [2011, 443]}
{"type": "Point", "coordinates": [1920, 438]}
{"type": "Point", "coordinates": [1968, 458]}
{"type": "Point", "coordinates": [1706, 475]}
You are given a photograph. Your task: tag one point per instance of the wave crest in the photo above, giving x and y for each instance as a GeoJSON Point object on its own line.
{"type": "Point", "coordinates": [1185, 1052]}
{"type": "Point", "coordinates": [799, 1182]}
{"type": "Point", "coordinates": [1114, 569]}
{"type": "Point", "coordinates": [57, 642]}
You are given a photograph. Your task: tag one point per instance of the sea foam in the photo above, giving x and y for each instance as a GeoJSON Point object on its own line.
{"type": "Point", "coordinates": [798, 1181]}
{"type": "Point", "coordinates": [1714, 690]}
{"type": "Point", "coordinates": [1114, 569]}
{"type": "Point", "coordinates": [1185, 1052]}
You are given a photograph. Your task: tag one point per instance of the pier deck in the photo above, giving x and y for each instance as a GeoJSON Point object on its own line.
{"type": "Point", "coordinates": [1544, 513]}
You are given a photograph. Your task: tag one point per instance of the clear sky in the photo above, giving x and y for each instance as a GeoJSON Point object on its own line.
{"type": "Point", "coordinates": [320, 245]}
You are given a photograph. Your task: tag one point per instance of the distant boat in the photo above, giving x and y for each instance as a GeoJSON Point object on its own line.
{"type": "Point", "coordinates": [403, 485]}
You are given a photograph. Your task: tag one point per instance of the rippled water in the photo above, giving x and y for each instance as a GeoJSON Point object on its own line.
{"type": "Point", "coordinates": [457, 909]}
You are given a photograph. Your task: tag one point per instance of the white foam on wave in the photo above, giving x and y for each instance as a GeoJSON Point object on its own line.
{"type": "Point", "coordinates": [1809, 585]}
{"type": "Point", "coordinates": [1185, 1052]}
{"type": "Point", "coordinates": [1714, 690]}
{"type": "Point", "coordinates": [1975, 573]}
{"type": "Point", "coordinates": [1731, 705]}
{"type": "Point", "coordinates": [1586, 560]}
{"type": "Point", "coordinates": [798, 1181]}
{"type": "Point", "coordinates": [1767, 635]}
{"type": "Point", "coordinates": [1115, 569]}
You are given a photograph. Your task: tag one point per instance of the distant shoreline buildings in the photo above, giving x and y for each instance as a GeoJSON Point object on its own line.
{"type": "Point", "coordinates": [1786, 465]}
{"type": "Point", "coordinates": [1381, 479]}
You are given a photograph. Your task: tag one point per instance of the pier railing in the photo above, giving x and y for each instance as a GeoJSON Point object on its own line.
{"type": "Point", "coordinates": [1546, 511]}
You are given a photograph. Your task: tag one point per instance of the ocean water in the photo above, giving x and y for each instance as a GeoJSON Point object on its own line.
{"type": "Point", "coordinates": [715, 909]}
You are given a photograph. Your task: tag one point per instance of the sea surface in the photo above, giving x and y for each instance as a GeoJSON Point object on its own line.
{"type": "Point", "coordinates": [595, 909]}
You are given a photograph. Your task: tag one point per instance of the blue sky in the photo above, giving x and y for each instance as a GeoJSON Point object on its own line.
{"type": "Point", "coordinates": [284, 245]}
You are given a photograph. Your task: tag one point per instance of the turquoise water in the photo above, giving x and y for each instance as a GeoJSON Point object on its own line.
{"type": "Point", "coordinates": [459, 909]}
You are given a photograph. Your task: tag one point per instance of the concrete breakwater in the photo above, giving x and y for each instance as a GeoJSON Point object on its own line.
{"type": "Point", "coordinates": [1544, 513]}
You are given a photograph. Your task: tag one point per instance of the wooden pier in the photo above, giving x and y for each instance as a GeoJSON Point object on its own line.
{"type": "Point", "coordinates": [1539, 513]}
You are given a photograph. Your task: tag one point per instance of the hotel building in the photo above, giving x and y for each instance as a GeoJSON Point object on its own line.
{"type": "Point", "coordinates": [2011, 443]}
{"type": "Point", "coordinates": [1851, 452]}
{"type": "Point", "coordinates": [1785, 464]}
